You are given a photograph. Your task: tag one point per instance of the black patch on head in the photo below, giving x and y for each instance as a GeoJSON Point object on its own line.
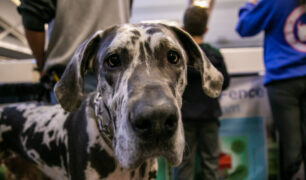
{"type": "Point", "coordinates": [142, 53]}
{"type": "Point", "coordinates": [108, 36]}
{"type": "Point", "coordinates": [134, 39]}
{"type": "Point", "coordinates": [153, 30]}
{"type": "Point", "coordinates": [136, 32]}
{"type": "Point", "coordinates": [160, 53]}
{"type": "Point", "coordinates": [142, 169]}
{"type": "Point", "coordinates": [101, 161]}
{"type": "Point", "coordinates": [148, 48]}
{"type": "Point", "coordinates": [106, 39]}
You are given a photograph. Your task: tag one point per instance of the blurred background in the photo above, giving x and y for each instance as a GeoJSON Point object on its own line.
{"type": "Point", "coordinates": [248, 139]}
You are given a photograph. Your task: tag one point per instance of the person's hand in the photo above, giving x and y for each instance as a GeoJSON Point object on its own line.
{"type": "Point", "coordinates": [42, 73]}
{"type": "Point", "coordinates": [253, 1]}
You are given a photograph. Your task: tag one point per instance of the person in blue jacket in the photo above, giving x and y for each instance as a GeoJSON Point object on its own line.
{"type": "Point", "coordinates": [284, 25]}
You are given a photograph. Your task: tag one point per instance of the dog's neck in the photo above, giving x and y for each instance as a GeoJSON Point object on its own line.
{"type": "Point", "coordinates": [147, 169]}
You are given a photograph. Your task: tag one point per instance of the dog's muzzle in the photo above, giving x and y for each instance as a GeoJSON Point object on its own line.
{"type": "Point", "coordinates": [151, 120]}
{"type": "Point", "coordinates": [154, 115]}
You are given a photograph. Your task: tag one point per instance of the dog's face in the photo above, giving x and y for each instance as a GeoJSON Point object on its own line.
{"type": "Point", "coordinates": [141, 71]}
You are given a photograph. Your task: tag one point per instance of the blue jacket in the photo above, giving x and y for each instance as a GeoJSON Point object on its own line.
{"type": "Point", "coordinates": [284, 24]}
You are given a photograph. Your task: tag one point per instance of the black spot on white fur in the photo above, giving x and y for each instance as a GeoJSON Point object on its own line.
{"type": "Point", "coordinates": [152, 31]}
{"type": "Point", "coordinates": [101, 161]}
{"type": "Point", "coordinates": [148, 48]}
{"type": "Point", "coordinates": [142, 53]}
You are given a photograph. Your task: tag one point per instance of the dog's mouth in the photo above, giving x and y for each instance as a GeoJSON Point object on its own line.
{"type": "Point", "coordinates": [173, 157]}
{"type": "Point", "coordinates": [165, 149]}
{"type": "Point", "coordinates": [131, 154]}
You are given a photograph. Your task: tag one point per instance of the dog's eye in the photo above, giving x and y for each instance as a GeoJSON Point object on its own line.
{"type": "Point", "coordinates": [173, 57]}
{"type": "Point", "coordinates": [113, 61]}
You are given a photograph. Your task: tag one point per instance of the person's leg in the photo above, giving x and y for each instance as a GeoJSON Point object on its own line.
{"type": "Point", "coordinates": [208, 146]}
{"type": "Point", "coordinates": [185, 170]}
{"type": "Point", "coordinates": [284, 99]}
{"type": "Point", "coordinates": [303, 114]}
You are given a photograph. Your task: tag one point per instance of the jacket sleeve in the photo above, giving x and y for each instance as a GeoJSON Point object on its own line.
{"type": "Point", "coordinates": [220, 65]}
{"type": "Point", "coordinates": [36, 13]}
{"type": "Point", "coordinates": [254, 18]}
{"type": "Point", "coordinates": [225, 74]}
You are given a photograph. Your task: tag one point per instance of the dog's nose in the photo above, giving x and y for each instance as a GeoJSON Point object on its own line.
{"type": "Point", "coordinates": [154, 121]}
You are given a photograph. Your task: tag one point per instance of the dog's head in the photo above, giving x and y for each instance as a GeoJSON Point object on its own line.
{"type": "Point", "coordinates": [141, 72]}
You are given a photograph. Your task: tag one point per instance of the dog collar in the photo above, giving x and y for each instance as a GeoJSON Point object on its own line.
{"type": "Point", "coordinates": [102, 127]}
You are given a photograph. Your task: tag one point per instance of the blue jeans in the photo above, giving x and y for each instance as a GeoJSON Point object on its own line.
{"type": "Point", "coordinates": [288, 104]}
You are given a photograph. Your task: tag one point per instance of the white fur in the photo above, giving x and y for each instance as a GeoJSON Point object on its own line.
{"type": "Point", "coordinates": [38, 116]}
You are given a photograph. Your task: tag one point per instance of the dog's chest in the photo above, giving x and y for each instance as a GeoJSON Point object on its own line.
{"type": "Point", "coordinates": [92, 174]}
{"type": "Point", "coordinates": [147, 170]}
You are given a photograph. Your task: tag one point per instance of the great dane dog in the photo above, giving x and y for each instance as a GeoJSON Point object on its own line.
{"type": "Point", "coordinates": [134, 116]}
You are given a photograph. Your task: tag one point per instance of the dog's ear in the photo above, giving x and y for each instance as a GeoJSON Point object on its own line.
{"type": "Point", "coordinates": [212, 79]}
{"type": "Point", "coordinates": [69, 91]}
